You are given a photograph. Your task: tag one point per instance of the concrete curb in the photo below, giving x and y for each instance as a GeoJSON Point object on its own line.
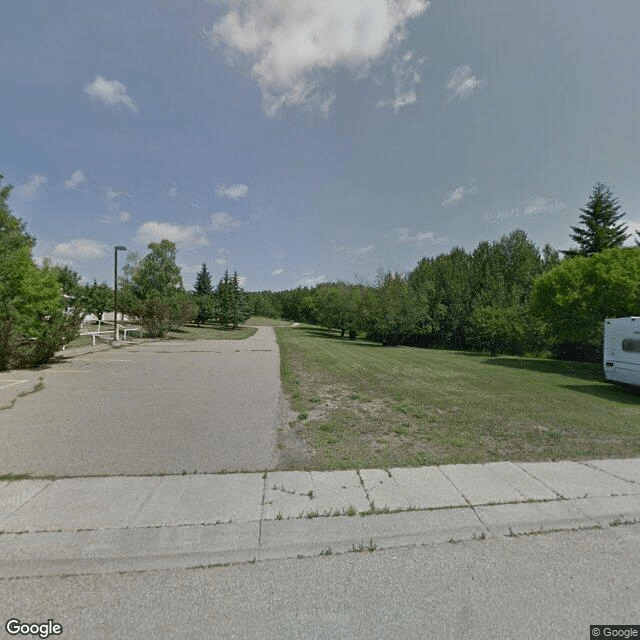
{"type": "Point", "coordinates": [125, 523]}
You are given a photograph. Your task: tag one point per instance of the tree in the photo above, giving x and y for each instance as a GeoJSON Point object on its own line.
{"type": "Point", "coordinates": [264, 303]}
{"type": "Point", "coordinates": [239, 311]}
{"type": "Point", "coordinates": [391, 310]}
{"type": "Point", "coordinates": [575, 297]}
{"type": "Point", "coordinates": [339, 306]}
{"type": "Point", "coordinates": [503, 275]}
{"type": "Point", "coordinates": [68, 278]}
{"type": "Point", "coordinates": [203, 296]}
{"type": "Point", "coordinates": [599, 218]}
{"type": "Point", "coordinates": [230, 300]}
{"type": "Point", "coordinates": [452, 296]}
{"type": "Point", "coordinates": [34, 322]}
{"type": "Point", "coordinates": [550, 257]}
{"type": "Point", "coordinates": [152, 291]}
{"type": "Point", "coordinates": [157, 274]}
{"type": "Point", "coordinates": [203, 286]}
{"type": "Point", "coordinates": [97, 298]}
{"type": "Point", "coordinates": [224, 297]}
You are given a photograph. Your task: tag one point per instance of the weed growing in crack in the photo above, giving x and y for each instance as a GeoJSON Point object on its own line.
{"type": "Point", "coordinates": [619, 522]}
{"type": "Point", "coordinates": [361, 547]}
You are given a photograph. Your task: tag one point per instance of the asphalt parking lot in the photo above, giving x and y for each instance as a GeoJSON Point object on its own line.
{"type": "Point", "coordinates": [147, 408]}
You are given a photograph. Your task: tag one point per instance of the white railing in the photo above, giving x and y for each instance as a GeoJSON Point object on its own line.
{"type": "Point", "coordinates": [95, 334]}
{"type": "Point", "coordinates": [125, 331]}
{"type": "Point", "coordinates": [98, 333]}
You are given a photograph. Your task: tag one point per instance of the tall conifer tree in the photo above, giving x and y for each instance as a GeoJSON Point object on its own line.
{"type": "Point", "coordinates": [600, 230]}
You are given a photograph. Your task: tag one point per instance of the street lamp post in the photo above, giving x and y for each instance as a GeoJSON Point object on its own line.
{"type": "Point", "coordinates": [115, 288]}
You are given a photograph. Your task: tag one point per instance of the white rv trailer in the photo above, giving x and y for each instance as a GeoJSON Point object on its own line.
{"type": "Point", "coordinates": [622, 350]}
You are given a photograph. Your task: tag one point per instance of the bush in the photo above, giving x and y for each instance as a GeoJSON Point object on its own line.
{"type": "Point", "coordinates": [34, 322]}
{"type": "Point", "coordinates": [574, 298]}
{"type": "Point", "coordinates": [157, 316]}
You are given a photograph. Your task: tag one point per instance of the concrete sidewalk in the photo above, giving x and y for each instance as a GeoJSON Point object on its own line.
{"type": "Point", "coordinates": [123, 523]}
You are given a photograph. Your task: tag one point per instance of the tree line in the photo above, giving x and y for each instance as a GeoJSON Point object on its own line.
{"type": "Point", "coordinates": [504, 297]}
{"type": "Point", "coordinates": [154, 296]}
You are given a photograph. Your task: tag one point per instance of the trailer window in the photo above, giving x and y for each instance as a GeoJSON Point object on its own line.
{"type": "Point", "coordinates": [631, 344]}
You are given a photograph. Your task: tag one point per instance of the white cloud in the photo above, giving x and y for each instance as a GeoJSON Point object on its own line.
{"type": "Point", "coordinates": [277, 272]}
{"type": "Point", "coordinates": [173, 192]}
{"type": "Point", "coordinates": [287, 45]}
{"type": "Point", "coordinates": [311, 281]}
{"type": "Point", "coordinates": [123, 216]}
{"type": "Point", "coordinates": [242, 280]}
{"type": "Point", "coordinates": [633, 226]}
{"type": "Point", "coordinates": [182, 235]}
{"type": "Point", "coordinates": [80, 249]}
{"type": "Point", "coordinates": [354, 251]}
{"type": "Point", "coordinates": [406, 236]}
{"type": "Point", "coordinates": [225, 222]}
{"type": "Point", "coordinates": [406, 73]}
{"type": "Point", "coordinates": [220, 262]}
{"type": "Point", "coordinates": [30, 188]}
{"type": "Point", "coordinates": [457, 195]}
{"type": "Point", "coordinates": [75, 180]}
{"type": "Point", "coordinates": [112, 194]}
{"type": "Point", "coordinates": [462, 84]}
{"type": "Point", "coordinates": [111, 93]}
{"type": "Point", "coordinates": [233, 191]}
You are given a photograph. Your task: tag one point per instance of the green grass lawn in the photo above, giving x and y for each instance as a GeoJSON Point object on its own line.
{"type": "Point", "coordinates": [210, 332]}
{"type": "Point", "coordinates": [362, 405]}
{"type": "Point", "coordinates": [260, 321]}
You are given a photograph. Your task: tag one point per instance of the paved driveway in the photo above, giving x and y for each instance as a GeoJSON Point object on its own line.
{"type": "Point", "coordinates": [155, 407]}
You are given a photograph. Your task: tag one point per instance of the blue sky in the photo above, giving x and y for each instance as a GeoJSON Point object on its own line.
{"type": "Point", "coordinates": [315, 140]}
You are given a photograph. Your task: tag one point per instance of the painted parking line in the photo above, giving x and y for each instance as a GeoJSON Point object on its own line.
{"type": "Point", "coordinates": [9, 383]}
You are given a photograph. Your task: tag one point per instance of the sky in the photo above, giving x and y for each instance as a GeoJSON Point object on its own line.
{"type": "Point", "coordinates": [313, 140]}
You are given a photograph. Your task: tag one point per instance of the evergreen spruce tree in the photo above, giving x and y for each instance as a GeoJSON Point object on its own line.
{"type": "Point", "coordinates": [203, 294]}
{"type": "Point", "coordinates": [231, 301]}
{"type": "Point", "coordinates": [203, 282]}
{"type": "Point", "coordinates": [238, 301]}
{"type": "Point", "coordinates": [599, 218]}
{"type": "Point", "coordinates": [224, 301]}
